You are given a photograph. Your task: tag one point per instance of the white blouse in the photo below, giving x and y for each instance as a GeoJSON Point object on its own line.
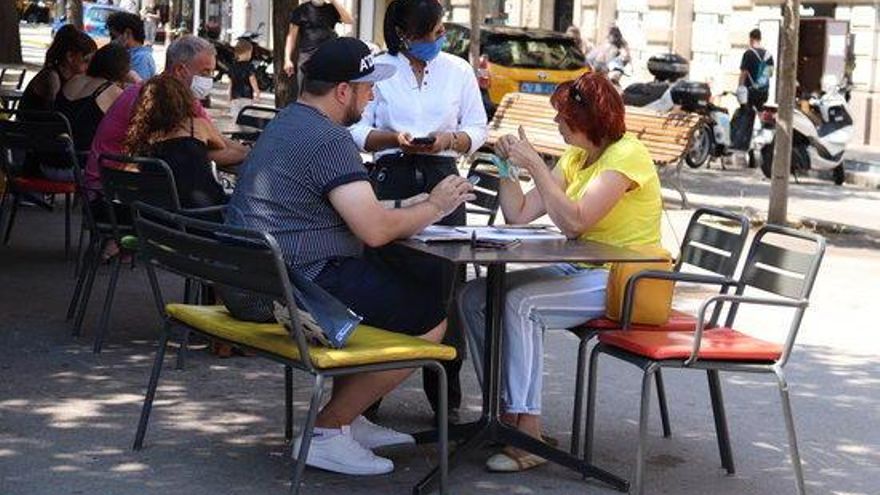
{"type": "Point", "coordinates": [447, 101]}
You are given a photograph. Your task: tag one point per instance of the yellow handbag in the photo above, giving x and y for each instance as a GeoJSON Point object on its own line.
{"type": "Point", "coordinates": [653, 298]}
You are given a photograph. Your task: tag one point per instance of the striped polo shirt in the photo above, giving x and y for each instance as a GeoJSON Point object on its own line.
{"type": "Point", "coordinates": [283, 188]}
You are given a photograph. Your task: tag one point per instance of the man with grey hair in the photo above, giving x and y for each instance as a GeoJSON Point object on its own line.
{"type": "Point", "coordinates": [190, 60]}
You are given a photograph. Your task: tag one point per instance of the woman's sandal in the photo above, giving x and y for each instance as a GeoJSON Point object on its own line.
{"type": "Point", "coordinates": [511, 460]}
{"type": "Point", "coordinates": [549, 440]}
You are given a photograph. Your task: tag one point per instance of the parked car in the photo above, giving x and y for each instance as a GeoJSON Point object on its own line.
{"type": "Point", "coordinates": [517, 59]}
{"type": "Point", "coordinates": [94, 20]}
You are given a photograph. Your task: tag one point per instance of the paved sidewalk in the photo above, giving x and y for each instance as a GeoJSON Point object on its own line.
{"type": "Point", "coordinates": [812, 202]}
{"type": "Point", "coordinates": [67, 417]}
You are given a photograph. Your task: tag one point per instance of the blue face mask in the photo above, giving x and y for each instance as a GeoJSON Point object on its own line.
{"type": "Point", "coordinates": [427, 50]}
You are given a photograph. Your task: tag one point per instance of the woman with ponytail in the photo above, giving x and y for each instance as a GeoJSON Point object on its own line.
{"type": "Point", "coordinates": [418, 125]}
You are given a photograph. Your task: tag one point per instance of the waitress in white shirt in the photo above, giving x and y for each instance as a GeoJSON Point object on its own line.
{"type": "Point", "coordinates": [433, 94]}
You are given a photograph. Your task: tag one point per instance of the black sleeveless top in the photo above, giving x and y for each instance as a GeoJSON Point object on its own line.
{"type": "Point", "coordinates": [188, 159]}
{"type": "Point", "coordinates": [84, 115]}
{"type": "Point", "coordinates": [30, 100]}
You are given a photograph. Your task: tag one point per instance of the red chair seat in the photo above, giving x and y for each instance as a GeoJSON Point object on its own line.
{"type": "Point", "coordinates": [718, 344]}
{"type": "Point", "coordinates": [39, 185]}
{"type": "Point", "coordinates": [679, 321]}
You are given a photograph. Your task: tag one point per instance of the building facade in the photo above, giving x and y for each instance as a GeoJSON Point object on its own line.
{"type": "Point", "coordinates": [711, 33]}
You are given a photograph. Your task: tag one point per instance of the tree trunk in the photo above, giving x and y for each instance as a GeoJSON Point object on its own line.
{"type": "Point", "coordinates": [778, 210]}
{"type": "Point", "coordinates": [75, 13]}
{"type": "Point", "coordinates": [476, 15]}
{"type": "Point", "coordinates": [285, 87]}
{"type": "Point", "coordinates": [10, 38]}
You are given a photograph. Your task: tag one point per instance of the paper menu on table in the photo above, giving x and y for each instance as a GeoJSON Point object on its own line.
{"type": "Point", "coordinates": [441, 233]}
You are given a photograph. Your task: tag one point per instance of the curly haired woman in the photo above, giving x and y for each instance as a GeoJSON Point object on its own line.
{"type": "Point", "coordinates": [604, 188]}
{"type": "Point", "coordinates": [164, 125]}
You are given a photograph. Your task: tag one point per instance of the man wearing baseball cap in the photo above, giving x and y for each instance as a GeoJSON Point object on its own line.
{"type": "Point", "coordinates": [304, 182]}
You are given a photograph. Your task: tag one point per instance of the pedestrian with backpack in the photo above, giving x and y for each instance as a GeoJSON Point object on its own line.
{"type": "Point", "coordinates": [756, 69]}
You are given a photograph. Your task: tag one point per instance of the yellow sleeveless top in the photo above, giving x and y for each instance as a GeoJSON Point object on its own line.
{"type": "Point", "coordinates": [635, 219]}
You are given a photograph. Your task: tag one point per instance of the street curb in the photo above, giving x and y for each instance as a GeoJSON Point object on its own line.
{"type": "Point", "coordinates": [758, 217]}
{"type": "Point", "coordinates": [862, 173]}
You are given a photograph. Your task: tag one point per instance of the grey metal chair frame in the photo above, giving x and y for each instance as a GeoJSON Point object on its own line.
{"type": "Point", "coordinates": [249, 261]}
{"type": "Point", "coordinates": [17, 81]}
{"type": "Point", "coordinates": [46, 132]}
{"type": "Point", "coordinates": [122, 187]}
{"type": "Point", "coordinates": [785, 273]}
{"type": "Point", "coordinates": [148, 180]}
{"type": "Point", "coordinates": [249, 116]}
{"type": "Point", "coordinates": [704, 247]}
{"type": "Point", "coordinates": [486, 202]}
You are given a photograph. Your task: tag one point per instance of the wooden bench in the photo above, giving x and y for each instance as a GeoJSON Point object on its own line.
{"type": "Point", "coordinates": [667, 136]}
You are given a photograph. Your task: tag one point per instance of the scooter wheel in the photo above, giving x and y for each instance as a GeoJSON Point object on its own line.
{"type": "Point", "coordinates": [701, 147]}
{"type": "Point", "coordinates": [754, 159]}
{"type": "Point", "coordinates": [767, 160]}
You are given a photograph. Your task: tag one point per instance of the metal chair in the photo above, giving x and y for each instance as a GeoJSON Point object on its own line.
{"type": "Point", "coordinates": [486, 202]}
{"type": "Point", "coordinates": [125, 179]}
{"type": "Point", "coordinates": [709, 255]}
{"type": "Point", "coordinates": [254, 116]}
{"type": "Point", "coordinates": [251, 261]}
{"type": "Point", "coordinates": [781, 261]}
{"type": "Point", "coordinates": [31, 132]}
{"type": "Point", "coordinates": [12, 78]}
{"type": "Point", "coordinates": [486, 190]}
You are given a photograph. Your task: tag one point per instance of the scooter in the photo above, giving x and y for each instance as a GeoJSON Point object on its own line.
{"type": "Point", "coordinates": [822, 127]}
{"type": "Point", "coordinates": [669, 88]}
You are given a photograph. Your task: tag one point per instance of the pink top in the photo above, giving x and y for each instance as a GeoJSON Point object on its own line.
{"type": "Point", "coordinates": [112, 130]}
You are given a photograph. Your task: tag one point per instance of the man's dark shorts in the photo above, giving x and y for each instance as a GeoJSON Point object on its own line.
{"type": "Point", "coordinates": [384, 296]}
{"type": "Point", "coordinates": [387, 298]}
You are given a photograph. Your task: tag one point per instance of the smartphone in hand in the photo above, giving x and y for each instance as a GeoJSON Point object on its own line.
{"type": "Point", "coordinates": [423, 141]}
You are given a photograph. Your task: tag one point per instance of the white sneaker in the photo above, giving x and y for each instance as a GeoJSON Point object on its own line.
{"type": "Point", "coordinates": [338, 451]}
{"type": "Point", "coordinates": [373, 436]}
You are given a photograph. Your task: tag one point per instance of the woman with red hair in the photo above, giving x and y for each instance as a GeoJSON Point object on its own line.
{"type": "Point", "coordinates": [604, 188]}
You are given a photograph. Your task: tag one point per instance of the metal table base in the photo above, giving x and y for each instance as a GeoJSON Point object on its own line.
{"type": "Point", "coordinates": [489, 427]}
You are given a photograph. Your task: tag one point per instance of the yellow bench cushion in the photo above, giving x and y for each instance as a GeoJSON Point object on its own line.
{"type": "Point", "coordinates": [367, 345]}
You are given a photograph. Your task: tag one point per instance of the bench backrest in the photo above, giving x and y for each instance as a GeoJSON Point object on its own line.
{"type": "Point", "coordinates": [667, 136]}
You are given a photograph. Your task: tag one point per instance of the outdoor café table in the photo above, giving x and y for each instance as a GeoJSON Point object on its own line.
{"type": "Point", "coordinates": [9, 98]}
{"type": "Point", "coordinates": [489, 428]}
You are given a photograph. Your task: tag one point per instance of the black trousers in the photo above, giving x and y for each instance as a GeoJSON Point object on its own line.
{"type": "Point", "coordinates": [402, 176]}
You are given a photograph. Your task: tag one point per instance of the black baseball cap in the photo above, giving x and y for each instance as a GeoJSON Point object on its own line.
{"type": "Point", "coordinates": [346, 60]}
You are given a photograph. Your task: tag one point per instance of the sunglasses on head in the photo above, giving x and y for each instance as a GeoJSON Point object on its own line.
{"type": "Point", "coordinates": [575, 94]}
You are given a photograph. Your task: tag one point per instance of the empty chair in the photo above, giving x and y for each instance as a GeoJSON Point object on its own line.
{"type": "Point", "coordinates": [12, 77]}
{"type": "Point", "coordinates": [257, 117]}
{"type": "Point", "coordinates": [782, 262]}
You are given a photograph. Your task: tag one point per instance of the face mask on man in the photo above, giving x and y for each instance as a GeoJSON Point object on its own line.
{"type": "Point", "coordinates": [427, 50]}
{"type": "Point", "coordinates": [201, 86]}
